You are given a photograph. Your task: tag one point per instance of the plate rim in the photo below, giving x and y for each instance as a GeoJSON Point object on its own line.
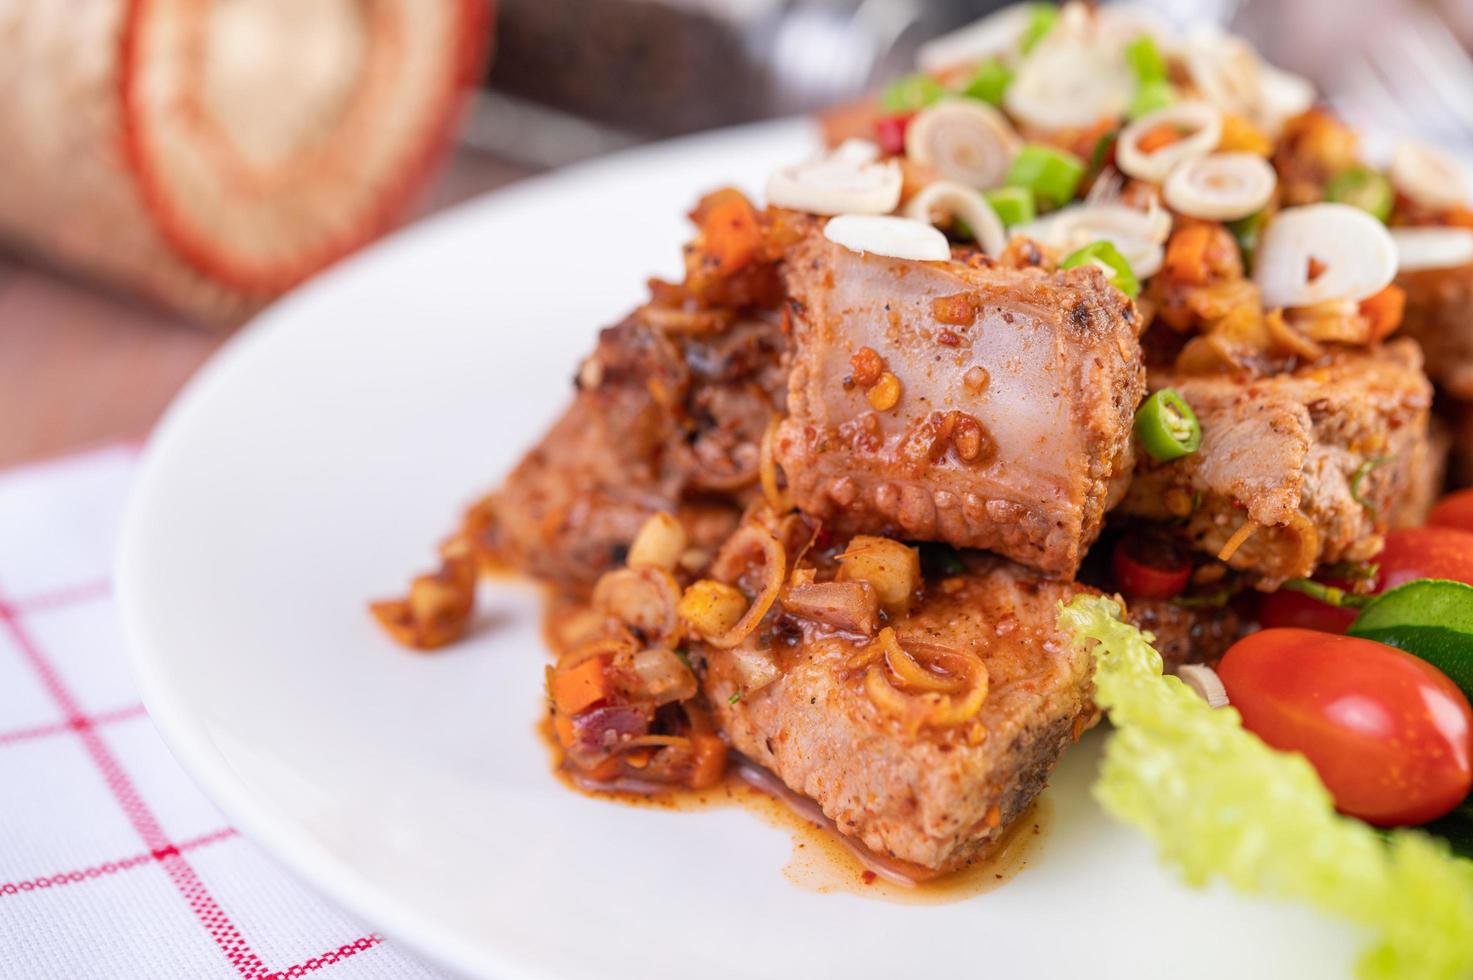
{"type": "Point", "coordinates": [185, 735]}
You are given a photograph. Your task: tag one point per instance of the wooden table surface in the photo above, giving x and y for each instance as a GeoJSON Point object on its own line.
{"type": "Point", "coordinates": [80, 366]}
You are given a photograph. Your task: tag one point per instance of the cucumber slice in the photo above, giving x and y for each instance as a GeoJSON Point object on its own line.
{"type": "Point", "coordinates": [1429, 618]}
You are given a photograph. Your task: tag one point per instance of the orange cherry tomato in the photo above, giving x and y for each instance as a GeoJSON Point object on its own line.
{"type": "Point", "coordinates": [1410, 553]}
{"type": "Point", "coordinates": [1390, 735]}
{"type": "Point", "coordinates": [1454, 510]}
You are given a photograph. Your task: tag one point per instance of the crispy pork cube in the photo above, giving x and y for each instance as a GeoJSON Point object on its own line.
{"type": "Point", "coordinates": [1294, 469]}
{"type": "Point", "coordinates": [1439, 316]}
{"type": "Point", "coordinates": [1187, 634]}
{"type": "Point", "coordinates": [950, 401]}
{"type": "Point", "coordinates": [1429, 467]}
{"type": "Point", "coordinates": [660, 421]}
{"type": "Point", "coordinates": [934, 797]}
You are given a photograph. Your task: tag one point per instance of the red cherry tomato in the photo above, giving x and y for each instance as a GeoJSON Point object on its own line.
{"type": "Point", "coordinates": [1149, 566]}
{"type": "Point", "coordinates": [890, 133]}
{"type": "Point", "coordinates": [1389, 734]}
{"type": "Point", "coordinates": [1410, 553]}
{"type": "Point", "coordinates": [1295, 610]}
{"type": "Point", "coordinates": [1454, 510]}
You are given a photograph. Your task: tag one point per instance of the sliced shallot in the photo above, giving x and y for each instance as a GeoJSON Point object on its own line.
{"type": "Point", "coordinates": [963, 140]}
{"type": "Point", "coordinates": [1221, 186]}
{"type": "Point", "coordinates": [1202, 126]}
{"type": "Point", "coordinates": [1224, 68]}
{"type": "Point", "coordinates": [945, 199]}
{"type": "Point", "coordinates": [842, 182]}
{"type": "Point", "coordinates": [1204, 681]}
{"type": "Point", "coordinates": [1428, 176]}
{"type": "Point", "coordinates": [1322, 252]}
{"type": "Point", "coordinates": [899, 238]}
{"type": "Point", "coordinates": [996, 35]}
{"type": "Point", "coordinates": [1418, 249]}
{"type": "Point", "coordinates": [1069, 82]}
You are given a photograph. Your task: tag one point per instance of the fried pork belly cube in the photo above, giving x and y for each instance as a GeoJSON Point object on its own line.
{"type": "Point", "coordinates": [1429, 468]}
{"type": "Point", "coordinates": [922, 740]}
{"type": "Point", "coordinates": [1187, 634]}
{"type": "Point", "coordinates": [663, 419]}
{"type": "Point", "coordinates": [1294, 469]}
{"type": "Point", "coordinates": [951, 401]}
{"type": "Point", "coordinates": [1439, 316]}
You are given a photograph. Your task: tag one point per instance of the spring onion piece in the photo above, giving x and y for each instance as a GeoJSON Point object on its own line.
{"type": "Point", "coordinates": [1323, 252]}
{"type": "Point", "coordinates": [1428, 176]}
{"type": "Point", "coordinates": [1041, 19]}
{"type": "Point", "coordinates": [942, 201]}
{"type": "Point", "coordinates": [989, 82]}
{"type": "Point", "coordinates": [1052, 175]}
{"type": "Point", "coordinates": [1013, 205]}
{"type": "Point", "coordinates": [841, 183]}
{"type": "Point", "coordinates": [1110, 261]}
{"type": "Point", "coordinates": [1145, 60]}
{"type": "Point", "coordinates": [1364, 188]}
{"type": "Point", "coordinates": [1150, 97]}
{"type": "Point", "coordinates": [1221, 186]}
{"type": "Point", "coordinates": [963, 140]}
{"type": "Point", "coordinates": [1220, 804]}
{"type": "Point", "coordinates": [1358, 477]}
{"type": "Point", "coordinates": [911, 93]}
{"type": "Point", "coordinates": [1167, 427]}
{"type": "Point", "coordinates": [1418, 249]}
{"type": "Point", "coordinates": [1198, 128]}
{"type": "Point", "coordinates": [899, 238]}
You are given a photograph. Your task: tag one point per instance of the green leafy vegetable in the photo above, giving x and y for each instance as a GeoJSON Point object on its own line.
{"type": "Point", "coordinates": [1051, 174]}
{"type": "Point", "coordinates": [1430, 618]}
{"type": "Point", "coordinates": [1219, 803]}
{"type": "Point", "coordinates": [1014, 205]}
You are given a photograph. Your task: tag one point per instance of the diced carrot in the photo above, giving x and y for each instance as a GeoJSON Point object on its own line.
{"type": "Point", "coordinates": [710, 760]}
{"type": "Point", "coordinates": [562, 725]}
{"type": "Point", "coordinates": [1156, 137]}
{"type": "Point", "coordinates": [1384, 310]}
{"type": "Point", "coordinates": [730, 233]}
{"type": "Point", "coordinates": [579, 686]}
{"type": "Point", "coordinates": [1186, 254]}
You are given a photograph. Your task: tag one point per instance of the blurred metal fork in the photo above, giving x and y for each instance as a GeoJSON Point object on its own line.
{"type": "Point", "coordinates": [1411, 80]}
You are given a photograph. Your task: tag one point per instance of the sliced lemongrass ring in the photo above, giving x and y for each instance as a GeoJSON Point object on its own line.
{"type": "Point", "coordinates": [1224, 68]}
{"type": "Point", "coordinates": [963, 140]}
{"type": "Point", "coordinates": [1428, 176]}
{"type": "Point", "coordinates": [1068, 83]}
{"type": "Point", "coordinates": [1200, 125]}
{"type": "Point", "coordinates": [898, 238]}
{"type": "Point", "coordinates": [1220, 186]}
{"type": "Point", "coordinates": [837, 185]}
{"type": "Point", "coordinates": [945, 199]}
{"type": "Point", "coordinates": [1419, 249]}
{"type": "Point", "coordinates": [856, 149]}
{"type": "Point", "coordinates": [1203, 680]}
{"type": "Point", "coordinates": [997, 35]}
{"type": "Point", "coordinates": [1322, 252]}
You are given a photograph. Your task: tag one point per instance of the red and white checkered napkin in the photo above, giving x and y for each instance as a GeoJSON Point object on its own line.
{"type": "Point", "coordinates": [112, 865]}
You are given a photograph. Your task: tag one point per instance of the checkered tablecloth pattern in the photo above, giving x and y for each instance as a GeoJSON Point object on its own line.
{"type": "Point", "coordinates": [112, 865]}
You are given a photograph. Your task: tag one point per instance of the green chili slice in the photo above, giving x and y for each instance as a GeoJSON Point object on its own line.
{"type": "Point", "coordinates": [1014, 205]}
{"type": "Point", "coordinates": [1364, 188]}
{"type": "Point", "coordinates": [989, 82]}
{"type": "Point", "coordinates": [1051, 174]}
{"type": "Point", "coordinates": [1105, 254]}
{"type": "Point", "coordinates": [911, 93]}
{"type": "Point", "coordinates": [1167, 427]}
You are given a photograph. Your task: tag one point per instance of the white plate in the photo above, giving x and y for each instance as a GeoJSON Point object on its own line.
{"type": "Point", "coordinates": [315, 463]}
